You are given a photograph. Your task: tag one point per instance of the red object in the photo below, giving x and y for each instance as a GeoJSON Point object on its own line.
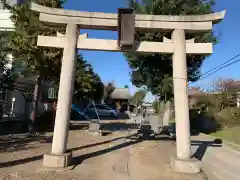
{"type": "Point", "coordinates": [54, 105]}
{"type": "Point", "coordinates": [33, 117]}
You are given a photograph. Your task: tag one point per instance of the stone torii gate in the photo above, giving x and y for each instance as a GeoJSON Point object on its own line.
{"type": "Point", "coordinates": [177, 45]}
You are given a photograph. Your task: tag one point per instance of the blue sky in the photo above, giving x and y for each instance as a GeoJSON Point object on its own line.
{"type": "Point", "coordinates": [229, 45]}
{"type": "Point", "coordinates": [112, 66]}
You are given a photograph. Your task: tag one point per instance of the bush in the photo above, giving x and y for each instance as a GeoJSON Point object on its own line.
{"type": "Point", "coordinates": [219, 108]}
{"type": "Point", "coordinates": [228, 117]}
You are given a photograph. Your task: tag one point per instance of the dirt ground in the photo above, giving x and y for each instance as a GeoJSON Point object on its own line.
{"type": "Point", "coordinates": [117, 156]}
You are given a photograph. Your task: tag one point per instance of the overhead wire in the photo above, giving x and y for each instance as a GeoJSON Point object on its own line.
{"type": "Point", "coordinates": [219, 67]}
{"type": "Point", "coordinates": [223, 67]}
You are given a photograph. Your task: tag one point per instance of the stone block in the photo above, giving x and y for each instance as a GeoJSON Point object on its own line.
{"type": "Point", "coordinates": [96, 133]}
{"type": "Point", "coordinates": [185, 166]}
{"type": "Point", "coordinates": [95, 128]}
{"type": "Point", "coordinates": [57, 161]}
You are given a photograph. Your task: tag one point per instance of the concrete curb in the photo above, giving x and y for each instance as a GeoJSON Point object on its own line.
{"type": "Point", "coordinates": [231, 144]}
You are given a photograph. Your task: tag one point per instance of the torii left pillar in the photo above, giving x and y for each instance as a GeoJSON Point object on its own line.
{"type": "Point", "coordinates": [59, 157]}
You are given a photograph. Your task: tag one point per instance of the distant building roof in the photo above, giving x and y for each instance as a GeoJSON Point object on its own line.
{"type": "Point", "coordinates": [121, 93]}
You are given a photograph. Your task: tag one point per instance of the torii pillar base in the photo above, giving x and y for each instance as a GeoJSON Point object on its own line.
{"type": "Point", "coordinates": [185, 166]}
{"type": "Point", "coordinates": [55, 162]}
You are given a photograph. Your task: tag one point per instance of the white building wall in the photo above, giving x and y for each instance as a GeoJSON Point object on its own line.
{"type": "Point", "coordinates": [23, 107]}
{"type": "Point", "coordinates": [5, 22]}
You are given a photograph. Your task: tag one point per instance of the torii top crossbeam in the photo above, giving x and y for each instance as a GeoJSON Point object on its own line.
{"type": "Point", "coordinates": [108, 21]}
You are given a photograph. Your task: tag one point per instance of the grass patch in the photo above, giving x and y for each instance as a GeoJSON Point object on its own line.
{"type": "Point", "coordinates": [229, 134]}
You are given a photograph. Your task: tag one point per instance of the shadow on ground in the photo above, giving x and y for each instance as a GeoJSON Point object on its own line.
{"type": "Point", "coordinates": [133, 140]}
{"type": "Point", "coordinates": [202, 147]}
{"type": "Point", "coordinates": [118, 126]}
{"type": "Point", "coordinates": [39, 157]}
{"type": "Point", "coordinates": [78, 126]}
{"type": "Point", "coordinates": [156, 138]}
{"type": "Point", "coordinates": [21, 142]}
{"type": "Point", "coordinates": [122, 116]}
{"type": "Point", "coordinates": [83, 124]}
{"type": "Point", "coordinates": [20, 161]}
{"type": "Point", "coordinates": [108, 127]}
{"type": "Point", "coordinates": [172, 130]}
{"type": "Point", "coordinates": [78, 160]}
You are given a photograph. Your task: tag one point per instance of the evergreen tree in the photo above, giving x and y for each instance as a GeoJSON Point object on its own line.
{"type": "Point", "coordinates": [88, 84]}
{"type": "Point", "coordinates": [108, 89]}
{"type": "Point", "coordinates": [154, 69]}
{"type": "Point", "coordinates": [42, 61]}
{"type": "Point", "coordinates": [138, 97]}
{"type": "Point", "coordinates": [22, 44]}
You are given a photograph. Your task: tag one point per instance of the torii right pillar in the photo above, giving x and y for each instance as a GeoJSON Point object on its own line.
{"type": "Point", "coordinates": [183, 161]}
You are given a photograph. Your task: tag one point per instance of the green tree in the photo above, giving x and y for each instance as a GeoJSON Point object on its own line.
{"type": "Point", "coordinates": [152, 68]}
{"type": "Point", "coordinates": [45, 62]}
{"type": "Point", "coordinates": [22, 44]}
{"type": "Point", "coordinates": [165, 88]}
{"type": "Point", "coordinates": [6, 76]}
{"type": "Point", "coordinates": [108, 89]}
{"type": "Point", "coordinates": [3, 54]}
{"type": "Point", "coordinates": [156, 105]}
{"type": "Point", "coordinates": [138, 97]}
{"type": "Point", "coordinates": [88, 84]}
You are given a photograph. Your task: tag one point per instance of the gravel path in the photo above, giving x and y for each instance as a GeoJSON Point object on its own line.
{"type": "Point", "coordinates": [220, 161]}
{"type": "Point", "coordinates": [97, 158]}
